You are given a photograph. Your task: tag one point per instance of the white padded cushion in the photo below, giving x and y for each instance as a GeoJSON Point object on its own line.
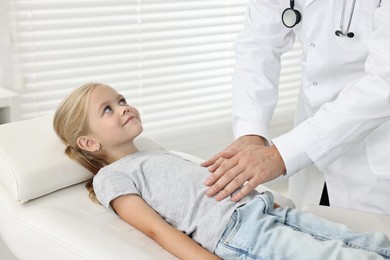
{"type": "Point", "coordinates": [33, 162]}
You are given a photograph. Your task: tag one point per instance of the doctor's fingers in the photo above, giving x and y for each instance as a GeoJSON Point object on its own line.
{"type": "Point", "coordinates": [216, 162]}
{"type": "Point", "coordinates": [255, 178]}
{"type": "Point", "coordinates": [213, 163]}
{"type": "Point", "coordinates": [223, 167]}
{"type": "Point", "coordinates": [227, 183]}
{"type": "Point", "coordinates": [259, 175]}
{"type": "Point", "coordinates": [216, 165]}
{"type": "Point", "coordinates": [246, 189]}
{"type": "Point", "coordinates": [235, 184]}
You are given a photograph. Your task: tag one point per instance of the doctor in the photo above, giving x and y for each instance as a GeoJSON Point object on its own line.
{"type": "Point", "coordinates": [342, 131]}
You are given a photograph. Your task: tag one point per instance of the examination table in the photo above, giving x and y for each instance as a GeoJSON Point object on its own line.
{"type": "Point", "coordinates": [45, 212]}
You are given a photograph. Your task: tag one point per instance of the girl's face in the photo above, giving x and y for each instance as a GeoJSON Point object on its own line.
{"type": "Point", "coordinates": [113, 123]}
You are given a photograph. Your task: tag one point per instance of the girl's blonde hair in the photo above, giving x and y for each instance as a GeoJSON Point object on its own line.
{"type": "Point", "coordinates": [70, 122]}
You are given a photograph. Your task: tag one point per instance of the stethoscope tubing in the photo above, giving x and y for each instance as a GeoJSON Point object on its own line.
{"type": "Point", "coordinates": [350, 17]}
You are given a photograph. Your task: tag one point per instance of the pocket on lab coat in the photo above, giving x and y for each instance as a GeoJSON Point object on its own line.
{"type": "Point", "coordinates": [378, 151]}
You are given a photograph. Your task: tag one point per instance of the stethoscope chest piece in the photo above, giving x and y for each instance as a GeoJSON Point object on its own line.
{"type": "Point", "coordinates": [291, 17]}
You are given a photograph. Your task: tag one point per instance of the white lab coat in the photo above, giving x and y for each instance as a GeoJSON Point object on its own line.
{"type": "Point", "coordinates": [343, 116]}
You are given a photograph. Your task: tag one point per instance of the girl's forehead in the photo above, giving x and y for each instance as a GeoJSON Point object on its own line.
{"type": "Point", "coordinates": [104, 89]}
{"type": "Point", "coordinates": [102, 92]}
{"type": "Point", "coordinates": [100, 95]}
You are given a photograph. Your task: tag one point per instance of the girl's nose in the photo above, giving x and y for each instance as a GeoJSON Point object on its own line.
{"type": "Point", "coordinates": [126, 110]}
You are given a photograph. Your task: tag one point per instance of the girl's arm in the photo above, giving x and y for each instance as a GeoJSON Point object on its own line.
{"type": "Point", "coordinates": [134, 210]}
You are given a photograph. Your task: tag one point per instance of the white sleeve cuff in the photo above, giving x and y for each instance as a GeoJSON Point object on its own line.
{"type": "Point", "coordinates": [246, 127]}
{"type": "Point", "coordinates": [291, 148]}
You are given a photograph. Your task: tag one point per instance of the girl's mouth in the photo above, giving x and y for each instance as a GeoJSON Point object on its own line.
{"type": "Point", "coordinates": [128, 119]}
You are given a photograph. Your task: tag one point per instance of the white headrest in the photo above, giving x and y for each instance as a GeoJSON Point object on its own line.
{"type": "Point", "coordinates": [33, 162]}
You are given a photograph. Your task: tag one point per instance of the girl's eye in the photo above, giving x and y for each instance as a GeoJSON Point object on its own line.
{"type": "Point", "coordinates": [107, 109]}
{"type": "Point", "coordinates": [122, 101]}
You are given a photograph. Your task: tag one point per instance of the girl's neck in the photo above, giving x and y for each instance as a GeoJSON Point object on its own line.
{"type": "Point", "coordinates": [121, 152]}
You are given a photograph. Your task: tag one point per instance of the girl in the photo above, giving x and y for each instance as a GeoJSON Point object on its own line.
{"type": "Point", "coordinates": [164, 196]}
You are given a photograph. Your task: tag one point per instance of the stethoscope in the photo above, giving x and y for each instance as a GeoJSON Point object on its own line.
{"type": "Point", "coordinates": [291, 17]}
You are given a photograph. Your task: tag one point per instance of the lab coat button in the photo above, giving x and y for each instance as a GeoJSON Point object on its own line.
{"type": "Point", "coordinates": [312, 44]}
{"type": "Point", "coordinates": [315, 83]}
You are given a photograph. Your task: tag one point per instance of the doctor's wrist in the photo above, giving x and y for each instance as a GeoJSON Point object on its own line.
{"type": "Point", "coordinates": [278, 161]}
{"type": "Point", "coordinates": [254, 140]}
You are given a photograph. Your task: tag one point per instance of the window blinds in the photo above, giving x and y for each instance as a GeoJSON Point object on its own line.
{"type": "Point", "coordinates": [172, 59]}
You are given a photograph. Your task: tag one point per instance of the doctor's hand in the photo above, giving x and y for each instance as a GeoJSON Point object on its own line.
{"type": "Point", "coordinates": [253, 165]}
{"type": "Point", "coordinates": [239, 144]}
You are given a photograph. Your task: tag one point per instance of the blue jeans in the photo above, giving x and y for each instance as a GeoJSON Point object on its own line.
{"type": "Point", "coordinates": [258, 231]}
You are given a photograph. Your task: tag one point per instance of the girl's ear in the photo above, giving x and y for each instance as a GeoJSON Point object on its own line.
{"type": "Point", "coordinates": [87, 143]}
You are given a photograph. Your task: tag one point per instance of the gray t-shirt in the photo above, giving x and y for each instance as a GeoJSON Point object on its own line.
{"type": "Point", "coordinates": [172, 186]}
